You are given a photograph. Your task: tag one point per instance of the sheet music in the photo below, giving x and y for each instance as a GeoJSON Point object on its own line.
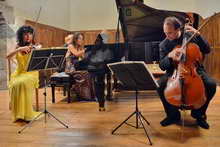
{"type": "Point", "coordinates": [46, 58]}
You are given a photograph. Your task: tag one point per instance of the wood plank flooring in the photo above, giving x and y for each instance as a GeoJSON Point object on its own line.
{"type": "Point", "coordinates": [90, 128]}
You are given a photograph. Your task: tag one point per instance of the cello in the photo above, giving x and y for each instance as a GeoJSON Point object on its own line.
{"type": "Point", "coordinates": [185, 88]}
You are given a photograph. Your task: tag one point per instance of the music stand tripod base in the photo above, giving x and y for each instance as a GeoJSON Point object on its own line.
{"type": "Point", "coordinates": [139, 117]}
{"type": "Point", "coordinates": [20, 131]}
{"type": "Point", "coordinates": [45, 112]}
{"type": "Point", "coordinates": [134, 75]}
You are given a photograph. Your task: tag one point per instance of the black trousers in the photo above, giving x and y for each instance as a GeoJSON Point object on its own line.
{"type": "Point", "coordinates": [99, 84]}
{"type": "Point", "coordinates": [172, 111]}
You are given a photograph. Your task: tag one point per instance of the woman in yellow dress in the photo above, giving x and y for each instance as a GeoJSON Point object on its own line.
{"type": "Point", "coordinates": [22, 84]}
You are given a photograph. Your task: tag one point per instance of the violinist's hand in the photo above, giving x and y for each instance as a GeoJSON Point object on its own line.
{"type": "Point", "coordinates": [176, 54]}
{"type": "Point", "coordinates": [25, 49]}
{"type": "Point", "coordinates": [189, 28]}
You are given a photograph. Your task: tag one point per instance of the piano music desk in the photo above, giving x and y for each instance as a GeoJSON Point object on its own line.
{"type": "Point", "coordinates": [155, 70]}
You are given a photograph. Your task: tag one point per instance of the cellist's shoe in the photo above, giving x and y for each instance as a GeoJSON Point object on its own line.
{"type": "Point", "coordinates": [194, 115]}
{"type": "Point", "coordinates": [202, 123]}
{"type": "Point", "coordinates": [169, 121]}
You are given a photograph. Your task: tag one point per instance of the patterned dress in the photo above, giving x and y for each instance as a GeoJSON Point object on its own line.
{"type": "Point", "coordinates": [21, 88]}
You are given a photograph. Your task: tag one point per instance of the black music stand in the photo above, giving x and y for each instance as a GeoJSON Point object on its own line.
{"type": "Point", "coordinates": [134, 75]}
{"type": "Point", "coordinates": [44, 59]}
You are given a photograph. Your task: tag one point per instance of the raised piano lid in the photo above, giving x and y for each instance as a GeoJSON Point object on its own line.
{"type": "Point", "coordinates": [141, 23]}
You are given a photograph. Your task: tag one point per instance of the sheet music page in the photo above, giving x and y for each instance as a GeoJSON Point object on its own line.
{"type": "Point", "coordinates": [46, 58]}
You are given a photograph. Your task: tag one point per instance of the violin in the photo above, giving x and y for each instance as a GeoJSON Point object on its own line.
{"type": "Point", "coordinates": [31, 47]}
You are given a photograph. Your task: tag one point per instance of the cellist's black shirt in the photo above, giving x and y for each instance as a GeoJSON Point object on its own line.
{"type": "Point", "coordinates": [167, 46]}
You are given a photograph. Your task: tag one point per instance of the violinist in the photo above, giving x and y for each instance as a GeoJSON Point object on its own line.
{"type": "Point", "coordinates": [168, 56]}
{"type": "Point", "coordinates": [23, 83]}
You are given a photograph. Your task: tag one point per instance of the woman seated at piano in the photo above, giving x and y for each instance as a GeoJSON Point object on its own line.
{"type": "Point", "coordinates": [76, 50]}
{"type": "Point", "coordinates": [74, 62]}
{"type": "Point", "coordinates": [22, 83]}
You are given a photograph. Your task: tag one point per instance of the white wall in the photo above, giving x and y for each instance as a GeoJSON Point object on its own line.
{"type": "Point", "coordinates": [205, 8]}
{"type": "Point", "coordinates": [54, 12]}
{"type": "Point", "coordinates": [77, 15]}
{"type": "Point", "coordinates": [68, 14]}
{"type": "Point", "coordinates": [93, 14]}
{"type": "Point", "coordinates": [177, 5]}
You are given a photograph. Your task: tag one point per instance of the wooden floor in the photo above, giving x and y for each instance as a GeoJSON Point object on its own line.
{"type": "Point", "coordinates": [89, 127]}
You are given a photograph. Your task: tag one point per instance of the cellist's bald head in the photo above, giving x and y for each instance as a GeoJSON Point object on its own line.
{"type": "Point", "coordinates": [175, 22]}
{"type": "Point", "coordinates": [172, 27]}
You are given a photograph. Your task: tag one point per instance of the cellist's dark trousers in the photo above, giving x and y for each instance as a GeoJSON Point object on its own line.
{"type": "Point", "coordinates": [172, 111]}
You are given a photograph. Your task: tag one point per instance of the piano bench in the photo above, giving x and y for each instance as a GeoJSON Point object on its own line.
{"type": "Point", "coordinates": [61, 80]}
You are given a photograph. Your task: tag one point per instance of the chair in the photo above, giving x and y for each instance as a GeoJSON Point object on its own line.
{"type": "Point", "coordinates": [36, 90]}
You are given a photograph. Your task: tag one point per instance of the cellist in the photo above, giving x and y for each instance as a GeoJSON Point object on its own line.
{"type": "Point", "coordinates": [172, 27]}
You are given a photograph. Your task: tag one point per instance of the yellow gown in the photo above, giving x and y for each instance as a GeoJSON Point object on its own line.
{"type": "Point", "coordinates": [21, 88]}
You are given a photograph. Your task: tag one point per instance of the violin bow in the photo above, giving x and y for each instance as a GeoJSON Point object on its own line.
{"type": "Point", "coordinates": [36, 21]}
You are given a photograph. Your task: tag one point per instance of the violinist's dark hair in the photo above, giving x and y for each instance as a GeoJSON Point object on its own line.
{"type": "Point", "coordinates": [76, 37]}
{"type": "Point", "coordinates": [174, 22]}
{"type": "Point", "coordinates": [20, 33]}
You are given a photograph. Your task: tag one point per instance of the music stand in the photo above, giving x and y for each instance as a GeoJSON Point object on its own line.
{"type": "Point", "coordinates": [44, 59]}
{"type": "Point", "coordinates": [135, 76]}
